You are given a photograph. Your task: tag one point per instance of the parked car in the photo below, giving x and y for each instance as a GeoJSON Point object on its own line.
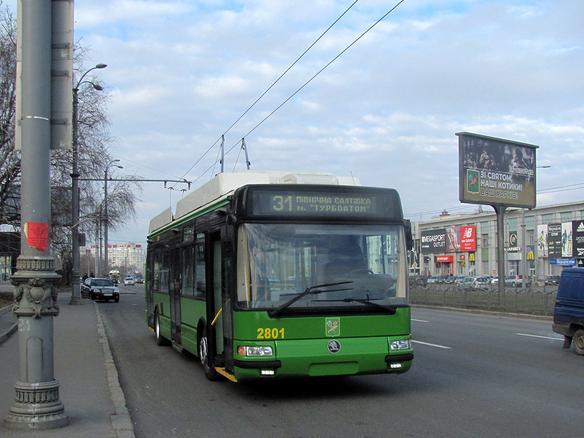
{"type": "Point", "coordinates": [100, 289]}
{"type": "Point", "coordinates": [129, 281]}
{"type": "Point", "coordinates": [139, 279]}
{"type": "Point", "coordinates": [552, 280]}
{"type": "Point", "coordinates": [569, 309]}
{"type": "Point", "coordinates": [465, 281]}
{"type": "Point", "coordinates": [482, 282]}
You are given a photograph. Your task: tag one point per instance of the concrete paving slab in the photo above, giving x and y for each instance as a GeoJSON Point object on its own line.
{"type": "Point", "coordinates": [79, 367]}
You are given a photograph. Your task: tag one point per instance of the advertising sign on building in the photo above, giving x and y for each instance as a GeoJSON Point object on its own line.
{"type": "Point", "coordinates": [513, 242]}
{"type": "Point", "coordinates": [433, 241]}
{"type": "Point", "coordinates": [567, 246]}
{"type": "Point", "coordinates": [542, 242]}
{"type": "Point", "coordinates": [496, 171]}
{"type": "Point", "coordinates": [554, 238]}
{"type": "Point", "coordinates": [452, 242]}
{"type": "Point", "coordinates": [563, 262]}
{"type": "Point", "coordinates": [468, 238]}
{"type": "Point", "coordinates": [578, 238]}
{"type": "Point", "coordinates": [444, 259]}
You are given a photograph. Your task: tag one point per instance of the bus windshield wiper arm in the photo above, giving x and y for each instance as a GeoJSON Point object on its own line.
{"type": "Point", "coordinates": [316, 289]}
{"type": "Point", "coordinates": [366, 301]}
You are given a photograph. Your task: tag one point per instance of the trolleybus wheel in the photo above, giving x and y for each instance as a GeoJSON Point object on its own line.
{"type": "Point", "coordinates": [578, 340]}
{"type": "Point", "coordinates": [159, 339]}
{"type": "Point", "coordinates": [210, 373]}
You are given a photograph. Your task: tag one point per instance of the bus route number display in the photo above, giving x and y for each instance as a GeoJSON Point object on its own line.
{"type": "Point", "coordinates": [314, 204]}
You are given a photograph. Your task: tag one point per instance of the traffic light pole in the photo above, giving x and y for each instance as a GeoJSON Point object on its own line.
{"type": "Point", "coordinates": [37, 404]}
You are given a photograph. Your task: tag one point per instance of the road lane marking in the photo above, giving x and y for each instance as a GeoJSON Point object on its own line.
{"type": "Point", "coordinates": [419, 320]}
{"type": "Point", "coordinates": [538, 336]}
{"type": "Point", "coordinates": [432, 345]}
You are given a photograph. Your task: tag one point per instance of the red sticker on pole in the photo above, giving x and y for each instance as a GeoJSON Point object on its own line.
{"type": "Point", "coordinates": [37, 235]}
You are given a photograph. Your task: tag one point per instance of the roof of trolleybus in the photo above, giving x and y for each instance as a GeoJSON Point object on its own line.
{"type": "Point", "coordinates": [218, 193]}
{"type": "Point", "coordinates": [219, 189]}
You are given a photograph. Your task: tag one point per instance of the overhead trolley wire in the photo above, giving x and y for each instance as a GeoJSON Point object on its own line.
{"type": "Point", "coordinates": [318, 73]}
{"type": "Point", "coordinates": [271, 86]}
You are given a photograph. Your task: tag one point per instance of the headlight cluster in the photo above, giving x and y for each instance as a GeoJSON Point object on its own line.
{"type": "Point", "coordinates": [403, 344]}
{"type": "Point", "coordinates": [254, 351]}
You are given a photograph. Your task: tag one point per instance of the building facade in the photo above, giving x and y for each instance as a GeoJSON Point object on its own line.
{"type": "Point", "coordinates": [538, 242]}
{"type": "Point", "coordinates": [128, 258]}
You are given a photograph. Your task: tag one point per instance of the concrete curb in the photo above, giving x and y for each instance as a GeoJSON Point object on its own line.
{"type": "Point", "coordinates": [5, 335]}
{"type": "Point", "coordinates": [5, 309]}
{"type": "Point", "coordinates": [121, 421]}
{"type": "Point", "coordinates": [486, 312]}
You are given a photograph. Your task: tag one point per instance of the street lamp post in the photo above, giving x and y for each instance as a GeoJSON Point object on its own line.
{"type": "Point", "coordinates": [75, 292]}
{"type": "Point", "coordinates": [106, 218]}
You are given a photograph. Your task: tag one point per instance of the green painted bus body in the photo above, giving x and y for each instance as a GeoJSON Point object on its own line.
{"type": "Point", "coordinates": [301, 343]}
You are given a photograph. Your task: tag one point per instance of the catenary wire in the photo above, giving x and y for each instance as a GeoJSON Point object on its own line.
{"type": "Point", "coordinates": [272, 85]}
{"type": "Point", "coordinates": [318, 73]}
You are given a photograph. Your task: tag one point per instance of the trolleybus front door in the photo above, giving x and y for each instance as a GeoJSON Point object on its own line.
{"type": "Point", "coordinates": [175, 293]}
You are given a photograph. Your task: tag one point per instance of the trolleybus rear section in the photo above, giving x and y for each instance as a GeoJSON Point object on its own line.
{"type": "Point", "coordinates": [276, 280]}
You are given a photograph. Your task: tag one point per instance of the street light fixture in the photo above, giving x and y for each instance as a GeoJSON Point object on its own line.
{"type": "Point", "coordinates": [106, 219]}
{"type": "Point", "coordinates": [76, 293]}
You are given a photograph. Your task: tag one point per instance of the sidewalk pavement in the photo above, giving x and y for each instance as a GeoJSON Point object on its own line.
{"type": "Point", "coordinates": [89, 386]}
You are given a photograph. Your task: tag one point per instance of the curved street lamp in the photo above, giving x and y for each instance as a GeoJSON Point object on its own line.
{"type": "Point", "coordinates": [76, 293]}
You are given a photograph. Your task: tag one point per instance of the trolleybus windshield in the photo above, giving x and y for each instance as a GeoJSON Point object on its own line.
{"type": "Point", "coordinates": [276, 262]}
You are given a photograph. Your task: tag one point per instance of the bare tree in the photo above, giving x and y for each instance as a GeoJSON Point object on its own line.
{"type": "Point", "coordinates": [93, 141]}
{"type": "Point", "coordinates": [9, 160]}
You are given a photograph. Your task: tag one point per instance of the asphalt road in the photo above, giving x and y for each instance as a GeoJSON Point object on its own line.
{"type": "Point", "coordinates": [473, 376]}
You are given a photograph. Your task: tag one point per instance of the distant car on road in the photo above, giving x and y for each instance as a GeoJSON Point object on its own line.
{"type": "Point", "coordinates": [100, 289]}
{"type": "Point", "coordinates": [129, 280]}
{"type": "Point", "coordinates": [139, 279]}
{"type": "Point", "coordinates": [552, 280]}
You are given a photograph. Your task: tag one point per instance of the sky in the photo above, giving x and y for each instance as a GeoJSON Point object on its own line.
{"type": "Point", "coordinates": [181, 72]}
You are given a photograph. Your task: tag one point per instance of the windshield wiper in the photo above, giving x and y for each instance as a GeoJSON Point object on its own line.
{"type": "Point", "coordinates": [366, 301]}
{"type": "Point", "coordinates": [316, 289]}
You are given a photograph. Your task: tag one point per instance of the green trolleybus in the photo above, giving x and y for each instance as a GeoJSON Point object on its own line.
{"type": "Point", "coordinates": [267, 275]}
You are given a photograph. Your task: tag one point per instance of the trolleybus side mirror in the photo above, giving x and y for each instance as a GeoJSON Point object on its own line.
{"type": "Point", "coordinates": [409, 239]}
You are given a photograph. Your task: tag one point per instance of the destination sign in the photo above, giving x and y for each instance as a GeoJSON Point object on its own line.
{"type": "Point", "coordinates": [324, 203]}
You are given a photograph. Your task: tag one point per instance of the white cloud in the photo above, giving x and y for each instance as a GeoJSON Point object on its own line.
{"type": "Point", "coordinates": [182, 71]}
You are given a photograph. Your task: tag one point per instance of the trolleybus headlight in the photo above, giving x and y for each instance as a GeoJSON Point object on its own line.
{"type": "Point", "coordinates": [403, 344]}
{"type": "Point", "coordinates": [254, 351]}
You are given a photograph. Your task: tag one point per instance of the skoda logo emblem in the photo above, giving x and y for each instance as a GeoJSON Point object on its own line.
{"type": "Point", "coordinates": [334, 346]}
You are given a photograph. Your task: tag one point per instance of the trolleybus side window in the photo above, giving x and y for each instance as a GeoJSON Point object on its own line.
{"type": "Point", "coordinates": [156, 261]}
{"type": "Point", "coordinates": [199, 262]}
{"type": "Point", "coordinates": [161, 271]}
{"type": "Point", "coordinates": [188, 268]}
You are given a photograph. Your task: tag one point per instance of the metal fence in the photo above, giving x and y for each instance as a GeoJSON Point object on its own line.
{"type": "Point", "coordinates": [536, 300]}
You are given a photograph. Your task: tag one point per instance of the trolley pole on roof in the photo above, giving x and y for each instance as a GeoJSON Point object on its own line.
{"type": "Point", "coordinates": [37, 404]}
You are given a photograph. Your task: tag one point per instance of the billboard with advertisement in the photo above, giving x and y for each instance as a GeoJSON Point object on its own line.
{"type": "Point", "coordinates": [513, 241]}
{"type": "Point", "coordinates": [567, 247]}
{"type": "Point", "coordinates": [452, 242]}
{"type": "Point", "coordinates": [542, 242]}
{"type": "Point", "coordinates": [578, 239]}
{"type": "Point", "coordinates": [433, 241]}
{"type": "Point", "coordinates": [554, 238]}
{"type": "Point", "coordinates": [495, 171]}
{"type": "Point", "coordinates": [468, 238]}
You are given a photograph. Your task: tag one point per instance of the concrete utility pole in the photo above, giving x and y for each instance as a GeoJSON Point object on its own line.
{"type": "Point", "coordinates": [500, 210]}
{"type": "Point", "coordinates": [37, 404]}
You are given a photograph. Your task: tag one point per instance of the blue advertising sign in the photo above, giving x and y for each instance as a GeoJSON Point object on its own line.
{"type": "Point", "coordinates": [563, 262]}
